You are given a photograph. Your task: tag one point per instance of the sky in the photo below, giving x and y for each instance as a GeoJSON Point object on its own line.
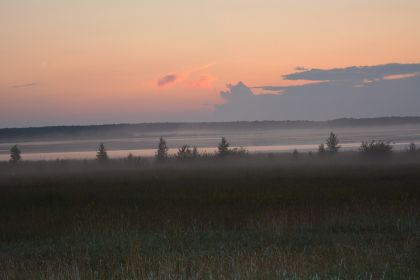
{"type": "Point", "coordinates": [103, 61]}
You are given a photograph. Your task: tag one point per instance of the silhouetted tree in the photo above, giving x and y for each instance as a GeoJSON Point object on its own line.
{"type": "Point", "coordinates": [332, 144]}
{"type": "Point", "coordinates": [223, 147]}
{"type": "Point", "coordinates": [101, 154]}
{"type": "Point", "coordinates": [162, 151]}
{"type": "Point", "coordinates": [321, 149]}
{"type": "Point", "coordinates": [15, 156]}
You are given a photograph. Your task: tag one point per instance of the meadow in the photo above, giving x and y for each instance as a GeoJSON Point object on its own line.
{"type": "Point", "coordinates": [254, 217]}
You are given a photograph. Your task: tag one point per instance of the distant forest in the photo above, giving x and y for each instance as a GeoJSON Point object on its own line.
{"type": "Point", "coordinates": [137, 130]}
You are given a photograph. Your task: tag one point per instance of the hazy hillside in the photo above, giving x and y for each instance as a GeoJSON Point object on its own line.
{"type": "Point", "coordinates": [144, 129]}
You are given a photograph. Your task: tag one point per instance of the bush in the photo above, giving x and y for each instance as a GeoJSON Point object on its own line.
{"type": "Point", "coordinates": [295, 153]}
{"type": "Point", "coordinates": [321, 149]}
{"type": "Point", "coordinates": [241, 151]}
{"type": "Point", "coordinates": [186, 152]}
{"type": "Point", "coordinates": [412, 149]}
{"type": "Point", "coordinates": [131, 159]}
{"type": "Point", "coordinates": [223, 149]}
{"type": "Point", "coordinates": [376, 147]}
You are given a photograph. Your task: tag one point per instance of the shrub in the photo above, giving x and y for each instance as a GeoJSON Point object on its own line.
{"type": "Point", "coordinates": [186, 152]}
{"type": "Point", "coordinates": [241, 151]}
{"type": "Point", "coordinates": [412, 149]}
{"type": "Point", "coordinates": [223, 149]}
{"type": "Point", "coordinates": [321, 149]}
{"type": "Point", "coordinates": [295, 153]}
{"type": "Point", "coordinates": [195, 153]}
{"type": "Point", "coordinates": [376, 147]}
{"type": "Point", "coordinates": [131, 159]}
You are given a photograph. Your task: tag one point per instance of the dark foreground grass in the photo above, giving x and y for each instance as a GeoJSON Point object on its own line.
{"type": "Point", "coordinates": [214, 220]}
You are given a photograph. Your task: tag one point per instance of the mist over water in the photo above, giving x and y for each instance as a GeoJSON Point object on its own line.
{"type": "Point", "coordinates": [256, 141]}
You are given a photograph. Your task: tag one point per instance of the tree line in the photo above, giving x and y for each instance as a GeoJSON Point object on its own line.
{"type": "Point", "coordinates": [330, 147]}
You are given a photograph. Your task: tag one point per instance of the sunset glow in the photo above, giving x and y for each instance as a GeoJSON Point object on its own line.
{"type": "Point", "coordinates": [97, 61]}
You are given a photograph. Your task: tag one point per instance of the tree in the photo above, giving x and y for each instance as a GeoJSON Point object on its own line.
{"type": "Point", "coordinates": [223, 147]}
{"type": "Point", "coordinates": [101, 154]}
{"type": "Point", "coordinates": [332, 144]}
{"type": "Point", "coordinates": [162, 151]}
{"type": "Point", "coordinates": [321, 149]}
{"type": "Point", "coordinates": [15, 156]}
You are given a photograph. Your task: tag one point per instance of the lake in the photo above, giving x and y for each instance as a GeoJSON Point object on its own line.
{"type": "Point", "coordinates": [258, 141]}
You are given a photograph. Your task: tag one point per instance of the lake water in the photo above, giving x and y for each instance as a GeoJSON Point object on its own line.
{"type": "Point", "coordinates": [280, 140]}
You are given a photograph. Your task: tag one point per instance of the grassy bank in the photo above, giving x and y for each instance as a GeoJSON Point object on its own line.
{"type": "Point", "coordinates": [254, 219]}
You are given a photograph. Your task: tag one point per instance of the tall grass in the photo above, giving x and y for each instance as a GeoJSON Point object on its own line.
{"type": "Point", "coordinates": [332, 218]}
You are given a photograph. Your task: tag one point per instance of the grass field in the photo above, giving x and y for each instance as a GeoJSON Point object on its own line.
{"type": "Point", "coordinates": [253, 218]}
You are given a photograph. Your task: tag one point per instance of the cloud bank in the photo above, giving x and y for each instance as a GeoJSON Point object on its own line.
{"type": "Point", "coordinates": [354, 73]}
{"type": "Point", "coordinates": [347, 92]}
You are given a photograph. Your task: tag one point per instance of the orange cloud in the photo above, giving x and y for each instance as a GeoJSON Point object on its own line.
{"type": "Point", "coordinates": [401, 76]}
{"type": "Point", "coordinates": [187, 78]}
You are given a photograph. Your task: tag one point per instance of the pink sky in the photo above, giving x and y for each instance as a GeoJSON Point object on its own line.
{"type": "Point", "coordinates": [96, 62]}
